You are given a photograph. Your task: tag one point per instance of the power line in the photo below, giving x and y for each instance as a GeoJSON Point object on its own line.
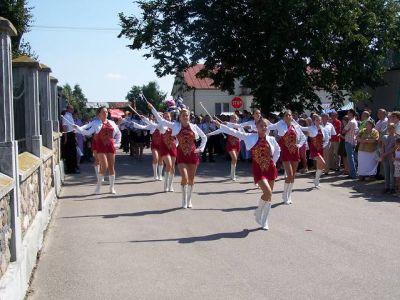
{"type": "Point", "coordinates": [74, 28]}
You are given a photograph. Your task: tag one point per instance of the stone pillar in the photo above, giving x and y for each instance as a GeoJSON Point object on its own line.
{"type": "Point", "coordinates": [26, 69]}
{"type": "Point", "coordinates": [54, 104]}
{"type": "Point", "coordinates": [8, 146]}
{"type": "Point", "coordinates": [46, 104]}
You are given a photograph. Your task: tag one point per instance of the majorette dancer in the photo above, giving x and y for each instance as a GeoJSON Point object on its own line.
{"type": "Point", "coordinates": [155, 146]}
{"type": "Point", "coordinates": [265, 153]}
{"type": "Point", "coordinates": [320, 138]}
{"type": "Point", "coordinates": [166, 148]}
{"type": "Point", "coordinates": [187, 154]}
{"type": "Point", "coordinates": [291, 138]}
{"type": "Point", "coordinates": [168, 153]}
{"type": "Point", "coordinates": [232, 143]}
{"type": "Point", "coordinates": [107, 136]}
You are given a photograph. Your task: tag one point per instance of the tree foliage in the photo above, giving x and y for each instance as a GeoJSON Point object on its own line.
{"type": "Point", "coordinates": [151, 91]}
{"type": "Point", "coordinates": [76, 98]}
{"type": "Point", "coordinates": [20, 15]}
{"type": "Point", "coordinates": [283, 50]}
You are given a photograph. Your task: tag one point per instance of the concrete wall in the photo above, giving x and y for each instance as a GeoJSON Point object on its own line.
{"type": "Point", "coordinates": [29, 181]}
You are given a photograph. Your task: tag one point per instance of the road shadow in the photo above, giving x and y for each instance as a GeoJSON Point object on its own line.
{"type": "Point", "coordinates": [205, 238]}
{"type": "Point", "coordinates": [135, 214]}
{"type": "Point", "coordinates": [234, 209]}
{"type": "Point", "coordinates": [368, 190]}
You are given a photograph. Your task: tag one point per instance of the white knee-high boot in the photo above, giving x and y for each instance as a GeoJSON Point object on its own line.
{"type": "Point", "coordinates": [233, 172]}
{"type": "Point", "coordinates": [189, 196]}
{"type": "Point", "coordinates": [264, 215]}
{"type": "Point", "coordinates": [155, 172]}
{"type": "Point", "coordinates": [285, 193]}
{"type": "Point", "coordinates": [166, 182]}
{"type": "Point", "coordinates": [258, 211]}
{"type": "Point", "coordinates": [160, 169]}
{"type": "Point", "coordinates": [318, 174]}
{"type": "Point", "coordinates": [100, 179]}
{"type": "Point", "coordinates": [97, 170]}
{"type": "Point", "coordinates": [289, 193]}
{"type": "Point", "coordinates": [171, 182]}
{"type": "Point", "coordinates": [184, 195]}
{"type": "Point", "coordinates": [112, 182]}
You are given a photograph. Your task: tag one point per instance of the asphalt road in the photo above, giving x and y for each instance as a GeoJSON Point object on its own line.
{"type": "Point", "coordinates": [339, 242]}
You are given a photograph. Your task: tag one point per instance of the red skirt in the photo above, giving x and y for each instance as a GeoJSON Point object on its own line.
{"type": "Point", "coordinates": [191, 159]}
{"type": "Point", "coordinates": [270, 174]}
{"type": "Point", "coordinates": [155, 141]}
{"type": "Point", "coordinates": [155, 145]}
{"type": "Point", "coordinates": [316, 146]}
{"type": "Point", "coordinates": [288, 155]}
{"type": "Point", "coordinates": [105, 148]}
{"type": "Point", "coordinates": [164, 150]}
{"type": "Point", "coordinates": [232, 144]}
{"type": "Point", "coordinates": [315, 152]}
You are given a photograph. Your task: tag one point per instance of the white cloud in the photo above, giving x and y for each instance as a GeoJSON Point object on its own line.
{"type": "Point", "coordinates": [114, 76]}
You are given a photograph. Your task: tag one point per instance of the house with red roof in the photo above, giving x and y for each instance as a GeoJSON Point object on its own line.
{"type": "Point", "coordinates": [194, 90]}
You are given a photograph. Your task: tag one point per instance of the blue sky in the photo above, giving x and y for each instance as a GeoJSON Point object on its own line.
{"type": "Point", "coordinates": [97, 60]}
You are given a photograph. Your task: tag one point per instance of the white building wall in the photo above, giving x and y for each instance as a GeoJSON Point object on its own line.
{"type": "Point", "coordinates": [209, 98]}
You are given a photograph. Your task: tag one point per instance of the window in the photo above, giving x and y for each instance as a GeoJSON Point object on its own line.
{"type": "Point", "coordinates": [218, 109]}
{"type": "Point", "coordinates": [225, 107]}
{"type": "Point", "coordinates": [221, 108]}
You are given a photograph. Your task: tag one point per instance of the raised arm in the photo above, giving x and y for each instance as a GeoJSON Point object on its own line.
{"type": "Point", "coordinates": [236, 133]}
{"type": "Point", "coordinates": [87, 130]}
{"type": "Point", "coordinates": [215, 132]}
{"type": "Point", "coordinates": [159, 119]}
{"type": "Point", "coordinates": [144, 127]}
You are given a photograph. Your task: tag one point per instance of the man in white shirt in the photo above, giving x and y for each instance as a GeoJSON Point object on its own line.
{"type": "Point", "coordinates": [69, 141]}
{"type": "Point", "coordinates": [331, 131]}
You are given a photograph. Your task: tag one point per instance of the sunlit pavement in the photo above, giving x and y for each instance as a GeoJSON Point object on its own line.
{"type": "Point", "coordinates": [338, 242]}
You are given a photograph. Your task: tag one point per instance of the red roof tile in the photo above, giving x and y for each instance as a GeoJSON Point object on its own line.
{"type": "Point", "coordinates": [198, 83]}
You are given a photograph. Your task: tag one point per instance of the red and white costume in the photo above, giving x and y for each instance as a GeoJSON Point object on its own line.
{"type": "Point", "coordinates": [232, 144]}
{"type": "Point", "coordinates": [107, 136]}
{"type": "Point", "coordinates": [320, 138]}
{"type": "Point", "coordinates": [265, 153]}
{"type": "Point", "coordinates": [186, 149]}
{"type": "Point", "coordinates": [291, 139]}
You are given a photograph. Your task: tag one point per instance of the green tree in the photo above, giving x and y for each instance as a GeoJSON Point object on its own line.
{"type": "Point", "coordinates": [283, 50]}
{"type": "Point", "coordinates": [20, 15]}
{"type": "Point", "coordinates": [76, 98]}
{"type": "Point", "coordinates": [152, 93]}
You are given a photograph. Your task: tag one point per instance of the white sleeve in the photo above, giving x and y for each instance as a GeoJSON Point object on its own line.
{"type": "Point", "coordinates": [215, 132]}
{"type": "Point", "coordinates": [117, 135]}
{"type": "Point", "coordinates": [161, 120]}
{"type": "Point", "coordinates": [236, 133]}
{"type": "Point", "coordinates": [302, 139]}
{"type": "Point", "coordinates": [273, 126]}
{"type": "Point", "coordinates": [306, 129]}
{"type": "Point", "coordinates": [277, 152]}
{"type": "Point", "coordinates": [203, 138]}
{"type": "Point", "coordinates": [234, 125]}
{"type": "Point", "coordinates": [143, 127]}
{"type": "Point", "coordinates": [87, 129]}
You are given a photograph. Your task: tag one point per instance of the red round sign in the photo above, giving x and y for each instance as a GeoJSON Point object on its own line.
{"type": "Point", "coordinates": [237, 102]}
